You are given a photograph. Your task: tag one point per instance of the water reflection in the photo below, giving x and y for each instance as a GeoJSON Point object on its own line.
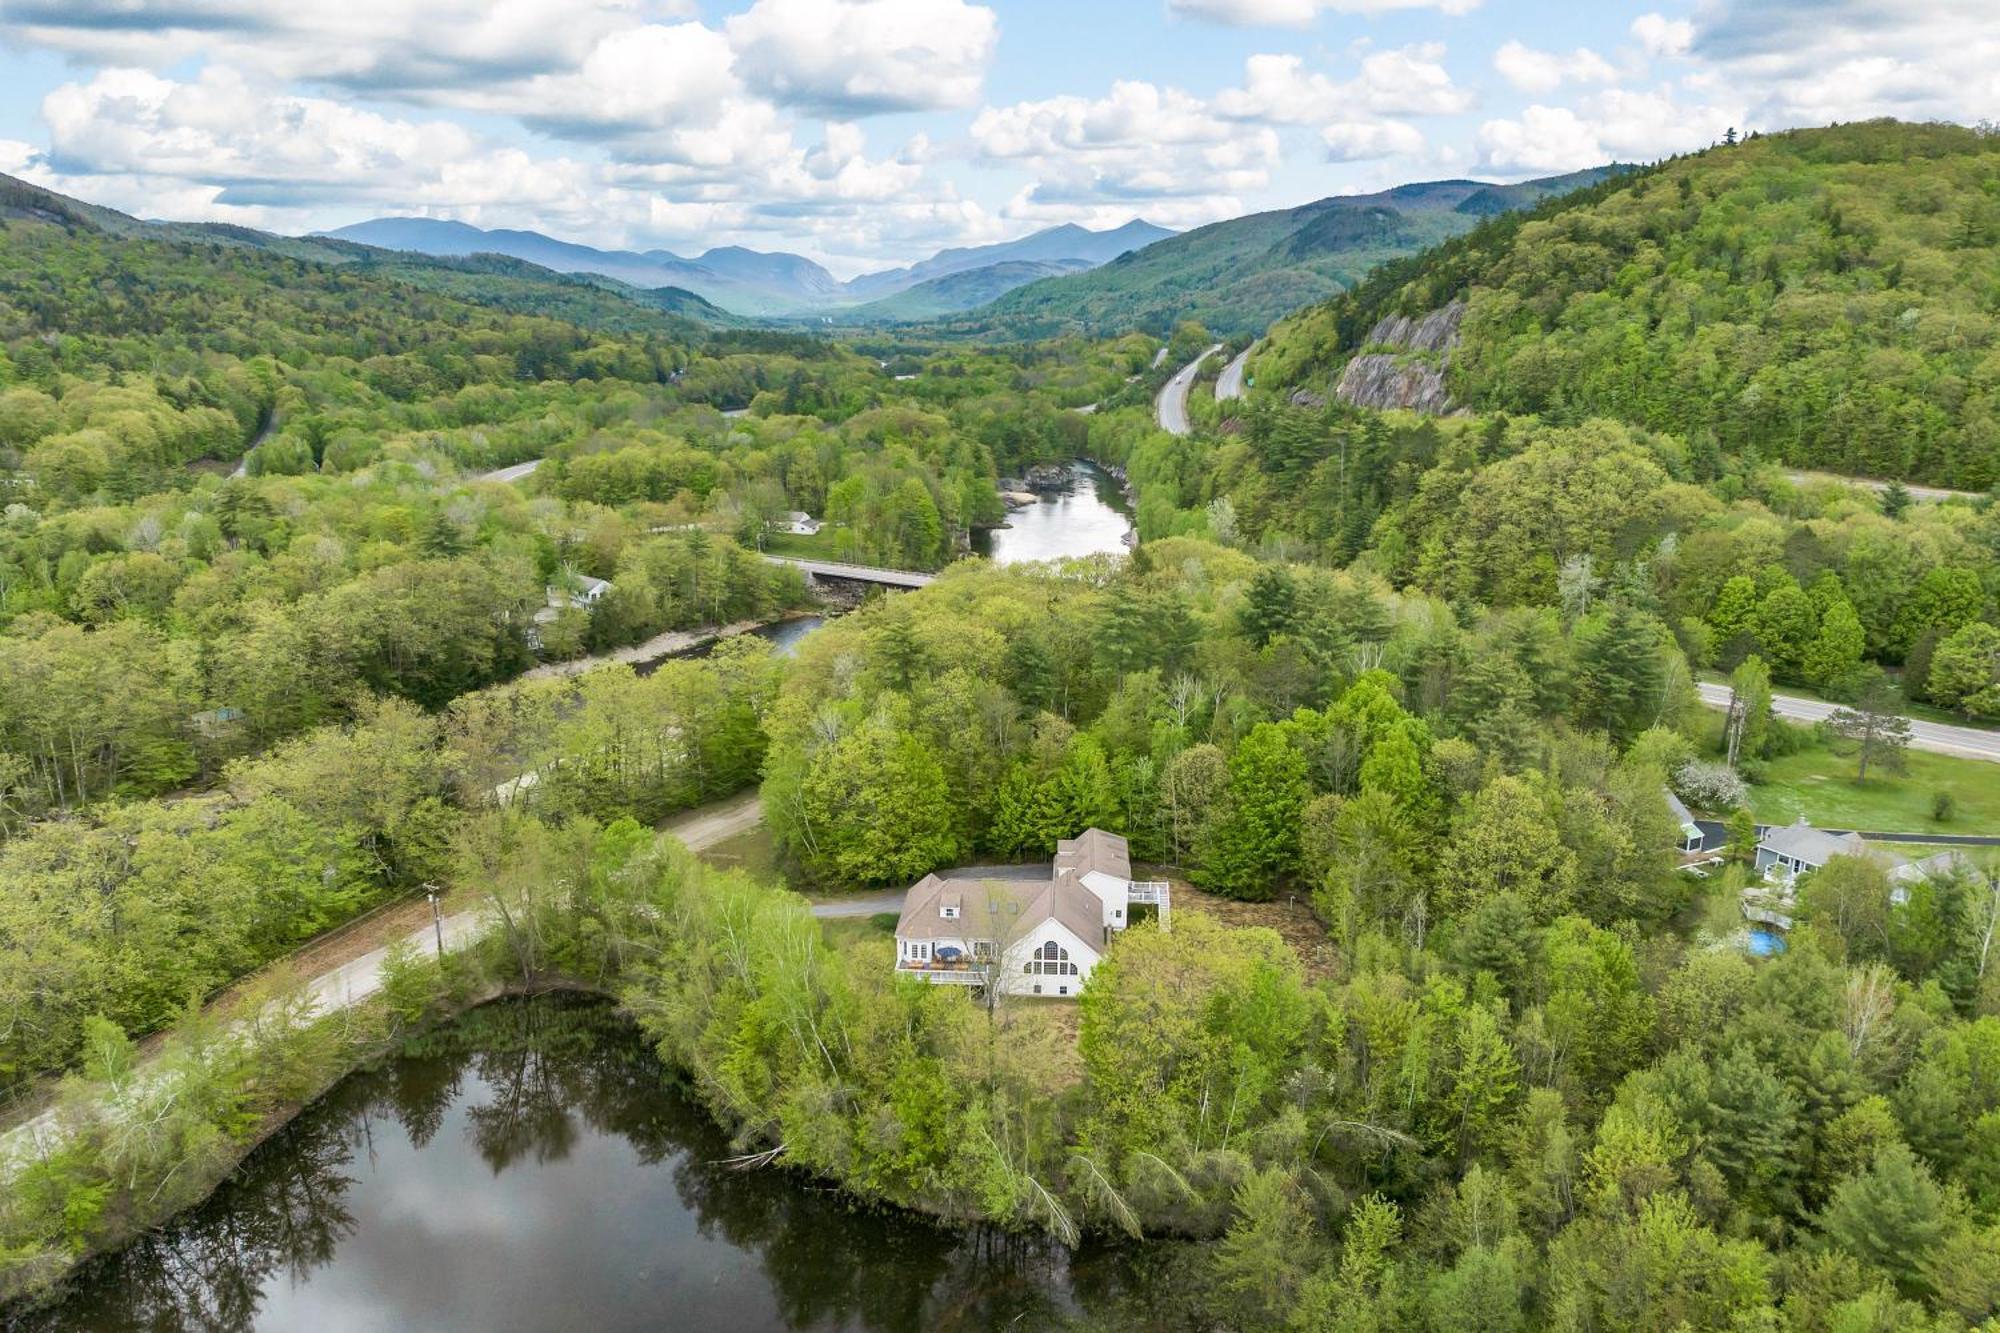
{"type": "Point", "coordinates": [1088, 516]}
{"type": "Point", "coordinates": [534, 1169]}
{"type": "Point", "coordinates": [782, 635]}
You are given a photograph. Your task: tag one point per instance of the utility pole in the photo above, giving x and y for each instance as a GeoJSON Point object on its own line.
{"type": "Point", "coordinates": [432, 895]}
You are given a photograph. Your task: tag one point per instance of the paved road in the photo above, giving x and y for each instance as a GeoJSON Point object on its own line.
{"type": "Point", "coordinates": [514, 473]}
{"type": "Point", "coordinates": [1229, 384]}
{"type": "Point", "coordinates": [1937, 737]}
{"type": "Point", "coordinates": [1916, 492]}
{"type": "Point", "coordinates": [867, 905]}
{"type": "Point", "coordinates": [1171, 406]}
{"type": "Point", "coordinates": [833, 569]}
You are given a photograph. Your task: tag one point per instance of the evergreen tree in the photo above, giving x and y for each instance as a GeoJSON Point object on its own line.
{"type": "Point", "coordinates": [1256, 843]}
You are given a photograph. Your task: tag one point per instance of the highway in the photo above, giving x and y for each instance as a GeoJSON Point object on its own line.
{"type": "Point", "coordinates": [1229, 384]}
{"type": "Point", "coordinates": [1932, 493]}
{"type": "Point", "coordinates": [1171, 406]}
{"type": "Point", "coordinates": [514, 473]}
{"type": "Point", "coordinates": [1937, 737]}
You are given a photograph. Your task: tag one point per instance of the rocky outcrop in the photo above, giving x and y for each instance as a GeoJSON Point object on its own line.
{"type": "Point", "coordinates": [1410, 375]}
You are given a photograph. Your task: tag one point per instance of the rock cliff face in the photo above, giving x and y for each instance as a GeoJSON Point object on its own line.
{"type": "Point", "coordinates": [1411, 377]}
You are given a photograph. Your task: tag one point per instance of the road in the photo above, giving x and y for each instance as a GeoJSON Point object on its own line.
{"type": "Point", "coordinates": [514, 473]}
{"type": "Point", "coordinates": [1229, 384]}
{"type": "Point", "coordinates": [1937, 737]}
{"type": "Point", "coordinates": [1916, 492]}
{"type": "Point", "coordinates": [1171, 406]}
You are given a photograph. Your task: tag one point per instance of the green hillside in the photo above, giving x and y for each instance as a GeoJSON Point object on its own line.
{"type": "Point", "coordinates": [1822, 298]}
{"type": "Point", "coordinates": [492, 280]}
{"type": "Point", "coordinates": [1240, 275]}
{"type": "Point", "coordinates": [957, 292]}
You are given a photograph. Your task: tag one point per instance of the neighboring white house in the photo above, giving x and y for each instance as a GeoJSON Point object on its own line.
{"type": "Point", "coordinates": [799, 522]}
{"type": "Point", "coordinates": [1692, 837]}
{"type": "Point", "coordinates": [1027, 937]}
{"type": "Point", "coordinates": [585, 593]}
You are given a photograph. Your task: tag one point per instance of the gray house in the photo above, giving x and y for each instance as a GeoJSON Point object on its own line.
{"type": "Point", "coordinates": [1787, 851]}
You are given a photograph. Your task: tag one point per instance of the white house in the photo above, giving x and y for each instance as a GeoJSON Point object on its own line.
{"type": "Point", "coordinates": [1692, 837]}
{"type": "Point", "coordinates": [799, 522]}
{"type": "Point", "coordinates": [584, 593]}
{"type": "Point", "coordinates": [1028, 937]}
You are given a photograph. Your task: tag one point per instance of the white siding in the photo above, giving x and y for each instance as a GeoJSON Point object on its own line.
{"type": "Point", "coordinates": [1015, 979]}
{"type": "Point", "coordinates": [1114, 893]}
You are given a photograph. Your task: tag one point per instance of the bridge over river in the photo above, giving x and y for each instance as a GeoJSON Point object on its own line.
{"type": "Point", "coordinates": [834, 569]}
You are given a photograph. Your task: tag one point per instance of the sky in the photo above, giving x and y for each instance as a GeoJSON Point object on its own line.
{"type": "Point", "coordinates": [864, 133]}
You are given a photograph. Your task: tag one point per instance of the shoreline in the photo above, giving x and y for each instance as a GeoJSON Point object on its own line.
{"type": "Point", "coordinates": [671, 643]}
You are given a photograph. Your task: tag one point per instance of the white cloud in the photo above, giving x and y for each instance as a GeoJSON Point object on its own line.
{"type": "Point", "coordinates": [1143, 147]}
{"type": "Point", "coordinates": [1799, 63]}
{"type": "Point", "coordinates": [1406, 81]}
{"type": "Point", "coordinates": [1545, 140]}
{"type": "Point", "coordinates": [1363, 140]}
{"type": "Point", "coordinates": [383, 46]}
{"type": "Point", "coordinates": [1534, 71]}
{"type": "Point", "coordinates": [1301, 13]}
{"type": "Point", "coordinates": [860, 56]}
{"type": "Point", "coordinates": [1613, 125]}
{"type": "Point", "coordinates": [1659, 35]}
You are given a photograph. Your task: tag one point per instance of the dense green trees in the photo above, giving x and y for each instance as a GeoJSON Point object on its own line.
{"type": "Point", "coordinates": [1810, 297]}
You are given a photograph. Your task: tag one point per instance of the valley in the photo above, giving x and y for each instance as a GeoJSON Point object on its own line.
{"type": "Point", "coordinates": [569, 769]}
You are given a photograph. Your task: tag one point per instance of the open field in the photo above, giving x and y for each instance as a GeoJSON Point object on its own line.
{"type": "Point", "coordinates": [1820, 785]}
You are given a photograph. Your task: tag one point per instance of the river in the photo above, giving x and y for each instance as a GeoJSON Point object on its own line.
{"type": "Point", "coordinates": [782, 635]}
{"type": "Point", "coordinates": [1087, 516]}
{"type": "Point", "coordinates": [534, 1167]}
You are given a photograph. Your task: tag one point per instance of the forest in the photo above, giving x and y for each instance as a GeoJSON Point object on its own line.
{"type": "Point", "coordinates": [1820, 298]}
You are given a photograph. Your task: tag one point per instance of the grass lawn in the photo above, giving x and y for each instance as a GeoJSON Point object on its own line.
{"type": "Point", "coordinates": [819, 546]}
{"type": "Point", "coordinates": [1820, 785]}
{"type": "Point", "coordinates": [754, 850]}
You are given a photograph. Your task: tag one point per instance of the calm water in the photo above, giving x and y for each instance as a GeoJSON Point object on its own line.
{"type": "Point", "coordinates": [783, 637]}
{"type": "Point", "coordinates": [535, 1169]}
{"type": "Point", "coordinates": [1087, 517]}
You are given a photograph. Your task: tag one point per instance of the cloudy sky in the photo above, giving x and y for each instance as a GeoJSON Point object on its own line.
{"type": "Point", "coordinates": [868, 131]}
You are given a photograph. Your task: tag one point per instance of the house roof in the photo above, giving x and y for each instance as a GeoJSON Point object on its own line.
{"type": "Point", "coordinates": [1803, 842]}
{"type": "Point", "coordinates": [1093, 849]}
{"type": "Point", "coordinates": [1690, 826]}
{"type": "Point", "coordinates": [1942, 863]}
{"type": "Point", "coordinates": [998, 909]}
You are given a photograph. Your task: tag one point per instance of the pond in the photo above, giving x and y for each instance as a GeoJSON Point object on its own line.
{"type": "Point", "coordinates": [1087, 516]}
{"type": "Point", "coordinates": [535, 1167]}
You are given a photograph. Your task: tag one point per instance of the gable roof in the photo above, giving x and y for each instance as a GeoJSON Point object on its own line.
{"type": "Point", "coordinates": [1093, 849]}
{"type": "Point", "coordinates": [1682, 815]}
{"type": "Point", "coordinates": [998, 909]}
{"type": "Point", "coordinates": [1803, 842]}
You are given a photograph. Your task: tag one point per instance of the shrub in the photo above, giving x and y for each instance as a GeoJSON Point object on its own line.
{"type": "Point", "coordinates": [1943, 806]}
{"type": "Point", "coordinates": [1710, 786]}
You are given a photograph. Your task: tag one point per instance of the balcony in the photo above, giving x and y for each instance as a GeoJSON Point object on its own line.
{"type": "Point", "coordinates": [945, 971]}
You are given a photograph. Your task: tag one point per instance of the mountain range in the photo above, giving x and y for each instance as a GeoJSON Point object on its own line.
{"type": "Point", "coordinates": [759, 283]}
{"type": "Point", "coordinates": [1240, 275]}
